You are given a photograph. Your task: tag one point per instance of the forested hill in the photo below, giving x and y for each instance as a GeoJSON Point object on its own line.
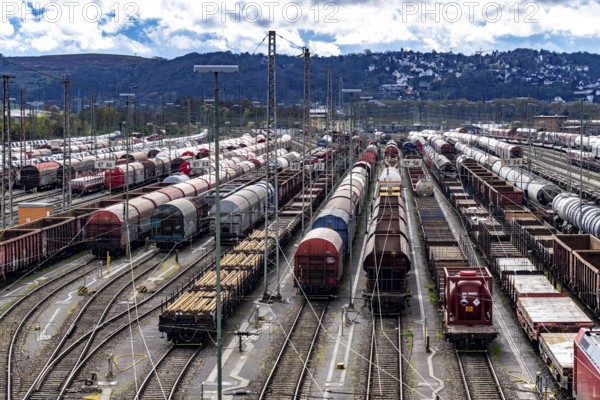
{"type": "Point", "coordinates": [400, 74]}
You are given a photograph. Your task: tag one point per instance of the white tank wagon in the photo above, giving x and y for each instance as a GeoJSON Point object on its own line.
{"type": "Point", "coordinates": [424, 188]}
{"type": "Point", "coordinates": [538, 190]}
{"type": "Point", "coordinates": [581, 215]}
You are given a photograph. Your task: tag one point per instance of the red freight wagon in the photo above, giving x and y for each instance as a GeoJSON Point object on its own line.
{"type": "Point", "coordinates": [586, 366]}
{"type": "Point", "coordinates": [19, 248]}
{"type": "Point", "coordinates": [107, 229]}
{"type": "Point", "coordinates": [319, 261]}
{"type": "Point", "coordinates": [468, 311]}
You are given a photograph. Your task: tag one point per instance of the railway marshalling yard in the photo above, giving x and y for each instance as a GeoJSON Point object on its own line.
{"type": "Point", "coordinates": [93, 333]}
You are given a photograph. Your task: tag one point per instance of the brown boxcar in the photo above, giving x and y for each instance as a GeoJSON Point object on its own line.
{"type": "Point", "coordinates": [319, 262]}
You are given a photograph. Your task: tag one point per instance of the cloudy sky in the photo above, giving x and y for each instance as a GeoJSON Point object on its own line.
{"type": "Point", "coordinates": [172, 28]}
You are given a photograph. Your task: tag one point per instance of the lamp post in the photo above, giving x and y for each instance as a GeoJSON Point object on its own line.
{"type": "Point", "coordinates": [352, 117]}
{"type": "Point", "coordinates": [216, 69]}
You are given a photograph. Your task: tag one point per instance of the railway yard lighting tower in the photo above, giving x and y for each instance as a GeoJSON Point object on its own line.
{"type": "Point", "coordinates": [215, 70]}
{"type": "Point", "coordinates": [353, 218]}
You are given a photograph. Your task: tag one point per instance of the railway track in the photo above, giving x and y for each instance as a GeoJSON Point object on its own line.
{"type": "Point", "coordinates": [19, 313]}
{"type": "Point", "coordinates": [385, 361]}
{"type": "Point", "coordinates": [478, 376]}
{"type": "Point", "coordinates": [553, 168]}
{"type": "Point", "coordinates": [103, 336]}
{"type": "Point", "coordinates": [289, 371]}
{"type": "Point", "coordinates": [163, 380]}
{"type": "Point", "coordinates": [91, 313]}
{"type": "Point", "coordinates": [53, 197]}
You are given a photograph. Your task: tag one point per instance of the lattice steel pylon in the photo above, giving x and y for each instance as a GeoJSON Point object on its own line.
{"type": "Point", "coordinates": [66, 176]}
{"type": "Point", "coordinates": [329, 114]}
{"type": "Point", "coordinates": [306, 131]}
{"type": "Point", "coordinates": [271, 215]}
{"type": "Point", "coordinates": [6, 170]}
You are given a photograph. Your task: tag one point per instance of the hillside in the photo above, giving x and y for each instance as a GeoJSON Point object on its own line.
{"type": "Point", "coordinates": [403, 74]}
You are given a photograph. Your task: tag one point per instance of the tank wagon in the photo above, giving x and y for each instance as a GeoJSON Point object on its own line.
{"type": "Point", "coordinates": [468, 307]}
{"type": "Point", "coordinates": [574, 214]}
{"type": "Point", "coordinates": [391, 154]}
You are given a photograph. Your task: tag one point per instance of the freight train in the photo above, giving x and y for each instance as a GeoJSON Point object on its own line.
{"type": "Point", "coordinates": [548, 317]}
{"type": "Point", "coordinates": [487, 144]}
{"type": "Point", "coordinates": [189, 315]}
{"type": "Point", "coordinates": [464, 291]}
{"type": "Point", "coordinates": [386, 260]}
{"type": "Point", "coordinates": [319, 258]}
{"type": "Point", "coordinates": [46, 174]}
{"type": "Point", "coordinates": [112, 229]}
{"type": "Point", "coordinates": [538, 191]}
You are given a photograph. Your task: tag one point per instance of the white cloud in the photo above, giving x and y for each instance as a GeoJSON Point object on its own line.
{"type": "Point", "coordinates": [174, 27]}
{"type": "Point", "coordinates": [324, 49]}
{"type": "Point", "coordinates": [6, 28]}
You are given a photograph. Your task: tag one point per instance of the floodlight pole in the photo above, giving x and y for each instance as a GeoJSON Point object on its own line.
{"type": "Point", "coordinates": [352, 217]}
{"type": "Point", "coordinates": [215, 69]}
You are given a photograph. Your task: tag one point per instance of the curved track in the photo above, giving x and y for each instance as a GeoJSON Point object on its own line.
{"type": "Point", "coordinates": [91, 313]}
{"type": "Point", "coordinates": [554, 166]}
{"type": "Point", "coordinates": [69, 364]}
{"type": "Point", "coordinates": [162, 382]}
{"type": "Point", "coordinates": [21, 311]}
{"type": "Point", "coordinates": [290, 369]}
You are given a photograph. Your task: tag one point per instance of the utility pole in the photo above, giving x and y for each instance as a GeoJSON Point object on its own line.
{"type": "Point", "coordinates": [188, 117]}
{"type": "Point", "coordinates": [580, 223]}
{"type": "Point", "coordinates": [22, 131]}
{"type": "Point", "coordinates": [66, 177]}
{"type": "Point", "coordinates": [272, 126]}
{"type": "Point", "coordinates": [5, 136]}
{"type": "Point", "coordinates": [93, 125]}
{"type": "Point", "coordinates": [128, 97]}
{"type": "Point", "coordinates": [306, 132]}
{"type": "Point", "coordinates": [215, 69]}
{"type": "Point", "coordinates": [329, 116]}
{"type": "Point", "coordinates": [353, 218]}
{"type": "Point", "coordinates": [340, 95]}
